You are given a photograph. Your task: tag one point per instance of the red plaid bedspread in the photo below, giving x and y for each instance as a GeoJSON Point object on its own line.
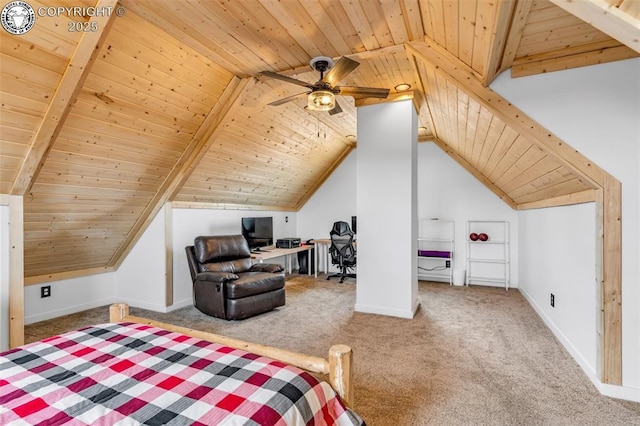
{"type": "Point", "coordinates": [127, 374]}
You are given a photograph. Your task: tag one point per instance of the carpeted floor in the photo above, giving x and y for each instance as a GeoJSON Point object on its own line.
{"type": "Point", "coordinates": [471, 356]}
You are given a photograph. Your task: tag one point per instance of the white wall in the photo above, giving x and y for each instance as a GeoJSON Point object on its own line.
{"type": "Point", "coordinates": [558, 256]}
{"type": "Point", "coordinates": [335, 200]}
{"type": "Point", "coordinates": [596, 110]}
{"type": "Point", "coordinates": [140, 279]}
{"type": "Point", "coordinates": [68, 296]}
{"type": "Point", "coordinates": [4, 277]}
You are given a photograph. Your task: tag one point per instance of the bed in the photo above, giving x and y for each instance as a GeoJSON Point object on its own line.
{"type": "Point", "coordinates": [137, 371]}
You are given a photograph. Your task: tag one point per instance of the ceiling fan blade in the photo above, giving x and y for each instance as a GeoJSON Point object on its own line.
{"type": "Point", "coordinates": [285, 78]}
{"type": "Point", "coordinates": [336, 109]}
{"type": "Point", "coordinates": [287, 99]}
{"type": "Point", "coordinates": [340, 70]}
{"type": "Point", "coordinates": [363, 92]}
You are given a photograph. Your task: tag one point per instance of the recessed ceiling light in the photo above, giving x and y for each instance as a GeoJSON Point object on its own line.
{"type": "Point", "coordinates": [403, 87]}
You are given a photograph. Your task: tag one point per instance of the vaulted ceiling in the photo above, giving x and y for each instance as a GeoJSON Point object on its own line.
{"type": "Point", "coordinates": [163, 101]}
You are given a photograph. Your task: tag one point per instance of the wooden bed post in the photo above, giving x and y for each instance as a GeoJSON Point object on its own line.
{"type": "Point", "coordinates": [118, 311]}
{"type": "Point", "coordinates": [340, 372]}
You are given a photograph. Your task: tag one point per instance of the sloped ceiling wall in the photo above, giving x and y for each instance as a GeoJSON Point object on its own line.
{"type": "Point", "coordinates": [99, 129]}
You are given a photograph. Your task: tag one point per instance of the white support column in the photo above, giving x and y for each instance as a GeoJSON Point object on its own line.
{"type": "Point", "coordinates": [386, 198]}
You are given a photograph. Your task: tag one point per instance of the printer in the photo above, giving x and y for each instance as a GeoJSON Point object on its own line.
{"type": "Point", "coordinates": [287, 242]}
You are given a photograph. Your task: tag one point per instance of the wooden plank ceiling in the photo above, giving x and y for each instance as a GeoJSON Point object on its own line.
{"type": "Point", "coordinates": [99, 129]}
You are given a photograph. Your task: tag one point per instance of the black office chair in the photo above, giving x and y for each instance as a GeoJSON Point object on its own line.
{"type": "Point", "coordinates": [342, 250]}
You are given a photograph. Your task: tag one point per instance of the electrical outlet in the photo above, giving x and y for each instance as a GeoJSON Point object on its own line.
{"type": "Point", "coordinates": [45, 291]}
{"type": "Point", "coordinates": [553, 301]}
{"type": "Point", "coordinates": [447, 264]}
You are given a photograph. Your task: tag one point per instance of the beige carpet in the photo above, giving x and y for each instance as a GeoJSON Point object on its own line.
{"type": "Point", "coordinates": [471, 356]}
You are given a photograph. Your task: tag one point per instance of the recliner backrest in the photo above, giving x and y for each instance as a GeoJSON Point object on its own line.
{"type": "Point", "coordinates": [220, 248]}
{"type": "Point", "coordinates": [222, 253]}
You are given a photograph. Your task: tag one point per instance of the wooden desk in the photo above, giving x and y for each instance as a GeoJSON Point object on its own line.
{"type": "Point", "coordinates": [278, 252]}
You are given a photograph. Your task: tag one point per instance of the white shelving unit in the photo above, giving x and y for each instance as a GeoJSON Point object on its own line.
{"type": "Point", "coordinates": [436, 243]}
{"type": "Point", "coordinates": [488, 261]}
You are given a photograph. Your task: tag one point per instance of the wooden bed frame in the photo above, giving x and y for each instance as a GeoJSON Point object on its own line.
{"type": "Point", "coordinates": [337, 366]}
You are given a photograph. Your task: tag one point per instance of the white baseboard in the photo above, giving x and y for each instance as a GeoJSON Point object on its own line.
{"type": "Point", "coordinates": [380, 310]}
{"type": "Point", "coordinates": [68, 310]}
{"type": "Point", "coordinates": [181, 304]}
{"type": "Point", "coordinates": [620, 392]}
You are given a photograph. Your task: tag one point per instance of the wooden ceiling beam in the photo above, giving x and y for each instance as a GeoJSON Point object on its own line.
{"type": "Point", "coordinates": [221, 113]}
{"type": "Point", "coordinates": [518, 22]}
{"type": "Point", "coordinates": [62, 100]}
{"type": "Point", "coordinates": [585, 196]}
{"type": "Point", "coordinates": [469, 81]}
{"type": "Point", "coordinates": [226, 206]}
{"type": "Point", "coordinates": [425, 97]}
{"type": "Point", "coordinates": [505, 14]}
{"type": "Point", "coordinates": [599, 56]}
{"type": "Point", "coordinates": [58, 276]}
{"type": "Point", "coordinates": [606, 17]}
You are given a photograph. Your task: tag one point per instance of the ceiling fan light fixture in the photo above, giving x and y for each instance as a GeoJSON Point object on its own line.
{"type": "Point", "coordinates": [321, 100]}
{"type": "Point", "coordinates": [402, 87]}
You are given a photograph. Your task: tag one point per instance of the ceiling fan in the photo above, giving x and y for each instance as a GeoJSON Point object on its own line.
{"type": "Point", "coordinates": [322, 94]}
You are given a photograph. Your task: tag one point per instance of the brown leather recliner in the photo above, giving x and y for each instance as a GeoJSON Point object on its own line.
{"type": "Point", "coordinates": [226, 283]}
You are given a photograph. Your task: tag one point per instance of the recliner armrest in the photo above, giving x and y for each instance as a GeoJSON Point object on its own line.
{"type": "Point", "coordinates": [216, 277]}
{"type": "Point", "coordinates": [266, 267]}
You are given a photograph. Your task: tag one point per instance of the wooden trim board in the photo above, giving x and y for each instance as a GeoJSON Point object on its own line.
{"type": "Point", "coordinates": [16, 271]}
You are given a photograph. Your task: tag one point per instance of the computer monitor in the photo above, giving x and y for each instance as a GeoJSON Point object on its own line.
{"type": "Point", "coordinates": [258, 231]}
